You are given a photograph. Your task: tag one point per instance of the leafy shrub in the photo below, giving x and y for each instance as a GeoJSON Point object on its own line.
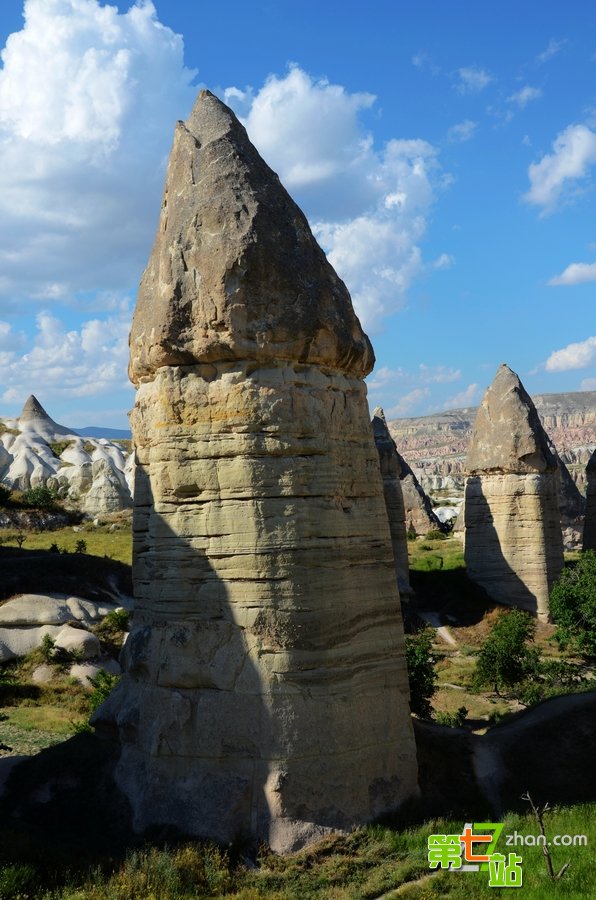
{"type": "Point", "coordinates": [435, 535]}
{"type": "Point", "coordinates": [81, 546]}
{"type": "Point", "coordinates": [505, 658]}
{"type": "Point", "coordinates": [103, 684]}
{"type": "Point", "coordinates": [117, 620]}
{"type": "Point", "coordinates": [17, 882]}
{"type": "Point", "coordinates": [411, 532]}
{"type": "Point", "coordinates": [40, 497]}
{"type": "Point", "coordinates": [421, 671]}
{"type": "Point", "coordinates": [54, 548]}
{"type": "Point", "coordinates": [58, 448]}
{"type": "Point", "coordinates": [573, 606]}
{"type": "Point", "coordinates": [453, 720]}
{"type": "Point", "coordinates": [47, 648]}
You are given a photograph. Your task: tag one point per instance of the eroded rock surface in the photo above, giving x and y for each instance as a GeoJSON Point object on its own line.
{"type": "Point", "coordinates": [265, 691]}
{"type": "Point", "coordinates": [513, 545]}
{"type": "Point", "coordinates": [394, 500]}
{"type": "Point", "coordinates": [590, 520]}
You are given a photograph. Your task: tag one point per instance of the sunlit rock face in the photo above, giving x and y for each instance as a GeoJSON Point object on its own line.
{"type": "Point", "coordinates": [590, 520]}
{"type": "Point", "coordinates": [265, 691]}
{"type": "Point", "coordinates": [389, 462]}
{"type": "Point", "coordinates": [513, 544]}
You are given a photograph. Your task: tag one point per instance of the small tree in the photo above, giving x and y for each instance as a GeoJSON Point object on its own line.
{"type": "Point", "coordinates": [40, 497]}
{"type": "Point", "coordinates": [421, 671]}
{"type": "Point", "coordinates": [573, 605]}
{"type": "Point", "coordinates": [505, 657]}
{"type": "Point", "coordinates": [81, 546]}
{"type": "Point", "coordinates": [20, 537]}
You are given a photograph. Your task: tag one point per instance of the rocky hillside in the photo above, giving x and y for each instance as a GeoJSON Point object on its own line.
{"type": "Point", "coordinates": [93, 474]}
{"type": "Point", "coordinates": [435, 446]}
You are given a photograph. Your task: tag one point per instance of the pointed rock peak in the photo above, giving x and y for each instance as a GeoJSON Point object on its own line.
{"type": "Point", "coordinates": [235, 272]}
{"type": "Point", "coordinates": [591, 467]}
{"type": "Point", "coordinates": [33, 410]}
{"type": "Point", "coordinates": [508, 436]}
{"type": "Point", "coordinates": [379, 424]}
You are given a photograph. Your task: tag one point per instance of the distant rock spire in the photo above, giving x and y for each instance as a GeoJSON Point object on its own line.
{"type": "Point", "coordinates": [513, 543]}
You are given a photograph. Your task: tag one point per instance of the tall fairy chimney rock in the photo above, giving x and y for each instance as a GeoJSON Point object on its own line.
{"type": "Point", "coordinates": [265, 692]}
{"type": "Point", "coordinates": [513, 544]}
{"type": "Point", "coordinates": [590, 519]}
{"type": "Point", "coordinates": [394, 500]}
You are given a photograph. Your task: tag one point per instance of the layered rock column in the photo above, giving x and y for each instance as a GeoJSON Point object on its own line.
{"type": "Point", "coordinates": [394, 501]}
{"type": "Point", "coordinates": [590, 517]}
{"type": "Point", "coordinates": [513, 544]}
{"type": "Point", "coordinates": [265, 693]}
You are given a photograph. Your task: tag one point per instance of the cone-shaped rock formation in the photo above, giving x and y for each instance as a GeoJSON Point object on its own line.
{"type": "Point", "coordinates": [513, 544]}
{"type": "Point", "coordinates": [394, 501]}
{"type": "Point", "coordinates": [590, 519]}
{"type": "Point", "coordinates": [35, 419]}
{"type": "Point", "coordinates": [265, 693]}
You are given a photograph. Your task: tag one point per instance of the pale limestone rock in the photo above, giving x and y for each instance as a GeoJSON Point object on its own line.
{"type": "Point", "coordinates": [418, 508]}
{"type": "Point", "coordinates": [590, 519]}
{"type": "Point", "coordinates": [18, 641]}
{"type": "Point", "coordinates": [108, 491]}
{"type": "Point", "coordinates": [513, 544]}
{"type": "Point", "coordinates": [394, 500]}
{"type": "Point", "coordinates": [84, 672]}
{"type": "Point", "coordinates": [265, 693]}
{"type": "Point", "coordinates": [51, 609]}
{"type": "Point", "coordinates": [77, 640]}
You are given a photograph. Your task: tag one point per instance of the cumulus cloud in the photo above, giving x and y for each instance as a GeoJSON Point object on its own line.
{"type": "Point", "coordinates": [472, 80]}
{"type": "Point", "coordinates": [368, 207]}
{"type": "Point", "coordinates": [588, 384]}
{"type": "Point", "coordinates": [85, 362]}
{"type": "Point", "coordinates": [88, 102]}
{"type": "Point", "coordinates": [573, 356]}
{"type": "Point", "coordinates": [467, 397]}
{"type": "Point", "coordinates": [551, 50]}
{"type": "Point", "coordinates": [574, 152]}
{"type": "Point", "coordinates": [408, 402]}
{"type": "Point", "coordinates": [575, 273]}
{"type": "Point", "coordinates": [385, 377]}
{"type": "Point", "coordinates": [461, 132]}
{"type": "Point", "coordinates": [522, 97]}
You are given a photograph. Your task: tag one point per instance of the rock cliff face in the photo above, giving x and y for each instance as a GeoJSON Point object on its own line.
{"type": "Point", "coordinates": [394, 501]}
{"type": "Point", "coordinates": [265, 691]}
{"type": "Point", "coordinates": [590, 522]}
{"type": "Point", "coordinates": [436, 445]}
{"type": "Point", "coordinates": [513, 544]}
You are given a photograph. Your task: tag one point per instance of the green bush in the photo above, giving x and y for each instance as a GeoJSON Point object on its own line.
{"type": "Point", "coordinates": [453, 720]}
{"type": "Point", "coordinates": [58, 448]}
{"type": "Point", "coordinates": [40, 497]}
{"type": "Point", "coordinates": [435, 535]}
{"type": "Point", "coordinates": [421, 671]}
{"type": "Point", "coordinates": [573, 606]}
{"type": "Point", "coordinates": [81, 546]}
{"type": "Point", "coordinates": [17, 882]}
{"type": "Point", "coordinates": [505, 658]}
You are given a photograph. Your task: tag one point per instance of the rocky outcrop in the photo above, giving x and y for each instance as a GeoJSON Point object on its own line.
{"type": "Point", "coordinates": [513, 545]}
{"type": "Point", "coordinates": [590, 521]}
{"type": "Point", "coordinates": [418, 508]}
{"type": "Point", "coordinates": [92, 474]}
{"type": "Point", "coordinates": [265, 692]}
{"type": "Point", "coordinates": [394, 501]}
{"type": "Point", "coordinates": [436, 445]}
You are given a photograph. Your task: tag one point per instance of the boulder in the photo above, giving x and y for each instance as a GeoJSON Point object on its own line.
{"type": "Point", "coordinates": [84, 672]}
{"type": "Point", "coordinates": [19, 641]}
{"type": "Point", "coordinates": [513, 545]}
{"type": "Point", "coordinates": [264, 693]}
{"type": "Point", "coordinates": [77, 640]}
{"type": "Point", "coordinates": [50, 609]}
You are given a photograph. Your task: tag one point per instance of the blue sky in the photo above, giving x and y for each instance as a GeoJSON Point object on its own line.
{"type": "Point", "coordinates": [444, 153]}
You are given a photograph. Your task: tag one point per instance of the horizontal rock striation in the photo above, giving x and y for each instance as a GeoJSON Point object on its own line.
{"type": "Point", "coordinates": [513, 545]}
{"type": "Point", "coordinates": [265, 693]}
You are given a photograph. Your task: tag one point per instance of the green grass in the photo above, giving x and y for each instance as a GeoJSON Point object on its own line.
{"type": "Point", "coordinates": [369, 863]}
{"type": "Point", "coordinates": [100, 541]}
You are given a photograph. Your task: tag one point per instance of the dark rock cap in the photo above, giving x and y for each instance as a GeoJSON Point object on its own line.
{"type": "Point", "coordinates": [235, 272]}
{"type": "Point", "coordinates": [508, 436]}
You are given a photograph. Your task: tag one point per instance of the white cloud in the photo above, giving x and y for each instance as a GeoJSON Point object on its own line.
{"type": "Point", "coordinates": [551, 50]}
{"type": "Point", "coordinates": [575, 273]}
{"type": "Point", "coordinates": [574, 151]}
{"type": "Point", "coordinates": [472, 80]}
{"type": "Point", "coordinates": [386, 377]}
{"type": "Point", "coordinates": [408, 402]}
{"type": "Point", "coordinates": [88, 102]}
{"type": "Point", "coordinates": [467, 397]}
{"type": "Point", "coordinates": [368, 207]}
{"type": "Point", "coordinates": [10, 340]}
{"type": "Point", "coordinates": [522, 97]}
{"type": "Point", "coordinates": [461, 132]}
{"type": "Point", "coordinates": [424, 60]}
{"type": "Point", "coordinates": [75, 363]}
{"type": "Point", "coordinates": [588, 384]}
{"type": "Point", "coordinates": [573, 356]}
